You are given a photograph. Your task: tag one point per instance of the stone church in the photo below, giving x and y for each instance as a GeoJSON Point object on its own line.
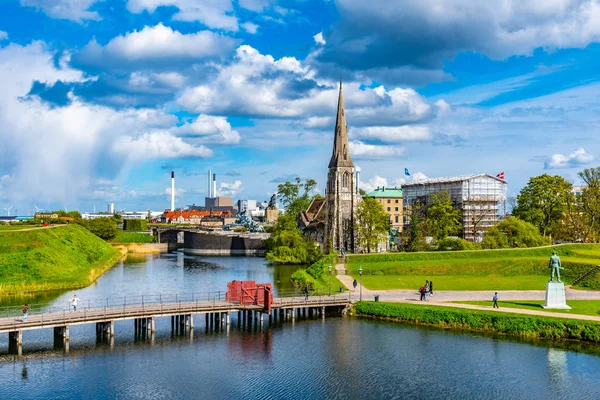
{"type": "Point", "coordinates": [330, 221]}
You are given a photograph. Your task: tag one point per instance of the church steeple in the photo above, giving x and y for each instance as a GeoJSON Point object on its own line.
{"type": "Point", "coordinates": [341, 151]}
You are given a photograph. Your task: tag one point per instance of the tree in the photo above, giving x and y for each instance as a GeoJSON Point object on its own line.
{"type": "Point", "coordinates": [543, 202]}
{"type": "Point", "coordinates": [573, 226]}
{"type": "Point", "coordinates": [296, 197]}
{"type": "Point", "coordinates": [442, 218]}
{"type": "Point", "coordinates": [417, 215]}
{"type": "Point", "coordinates": [513, 232]}
{"type": "Point", "coordinates": [590, 199]}
{"type": "Point", "coordinates": [104, 228]}
{"type": "Point", "coordinates": [373, 223]}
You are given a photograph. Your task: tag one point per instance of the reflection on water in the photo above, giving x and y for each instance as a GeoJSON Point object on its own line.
{"type": "Point", "coordinates": [557, 366]}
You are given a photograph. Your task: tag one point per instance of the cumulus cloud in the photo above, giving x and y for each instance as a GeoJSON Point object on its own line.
{"type": "Point", "coordinates": [577, 158]}
{"type": "Point", "coordinates": [75, 10]}
{"type": "Point", "coordinates": [360, 150]}
{"type": "Point", "coordinates": [154, 47]}
{"type": "Point", "coordinates": [209, 129]}
{"type": "Point", "coordinates": [373, 183]}
{"type": "Point", "coordinates": [367, 33]}
{"type": "Point", "coordinates": [3, 35]}
{"type": "Point", "coordinates": [393, 134]}
{"type": "Point", "coordinates": [418, 176]}
{"type": "Point", "coordinates": [158, 145]}
{"type": "Point", "coordinates": [229, 189]}
{"type": "Point", "coordinates": [319, 38]}
{"type": "Point", "coordinates": [250, 27]}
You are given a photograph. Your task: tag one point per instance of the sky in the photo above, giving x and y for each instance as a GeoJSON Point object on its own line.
{"type": "Point", "coordinates": [101, 99]}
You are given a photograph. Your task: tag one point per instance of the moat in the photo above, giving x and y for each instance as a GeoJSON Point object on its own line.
{"type": "Point", "coordinates": [339, 357]}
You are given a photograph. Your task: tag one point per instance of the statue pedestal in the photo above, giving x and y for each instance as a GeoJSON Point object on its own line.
{"type": "Point", "coordinates": [555, 296]}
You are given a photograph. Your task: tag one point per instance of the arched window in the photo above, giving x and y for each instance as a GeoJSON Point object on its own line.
{"type": "Point", "coordinates": [345, 181]}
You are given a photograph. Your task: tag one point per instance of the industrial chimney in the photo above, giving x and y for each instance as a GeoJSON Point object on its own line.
{"type": "Point", "coordinates": [172, 190]}
{"type": "Point", "coordinates": [214, 185]}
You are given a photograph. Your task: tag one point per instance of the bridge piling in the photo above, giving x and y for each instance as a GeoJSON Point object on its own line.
{"type": "Point", "coordinates": [62, 331]}
{"type": "Point", "coordinates": [228, 321]}
{"type": "Point", "coordinates": [15, 338]}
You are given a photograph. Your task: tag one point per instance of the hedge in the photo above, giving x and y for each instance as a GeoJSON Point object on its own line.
{"type": "Point", "coordinates": [135, 225]}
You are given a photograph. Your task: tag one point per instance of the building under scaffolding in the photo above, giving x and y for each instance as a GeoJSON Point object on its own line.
{"type": "Point", "coordinates": [481, 198]}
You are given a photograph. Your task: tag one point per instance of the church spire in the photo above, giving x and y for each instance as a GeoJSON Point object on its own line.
{"type": "Point", "coordinates": [341, 151]}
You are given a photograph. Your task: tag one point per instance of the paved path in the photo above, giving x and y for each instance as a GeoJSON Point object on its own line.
{"type": "Point", "coordinates": [31, 229]}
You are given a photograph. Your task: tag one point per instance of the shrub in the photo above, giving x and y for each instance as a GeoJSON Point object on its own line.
{"type": "Point", "coordinates": [135, 225]}
{"type": "Point", "coordinates": [513, 232]}
{"type": "Point", "coordinates": [452, 244]}
{"type": "Point", "coordinates": [301, 278]}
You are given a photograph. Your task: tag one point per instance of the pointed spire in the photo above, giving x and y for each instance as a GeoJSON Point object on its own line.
{"type": "Point", "coordinates": [341, 149]}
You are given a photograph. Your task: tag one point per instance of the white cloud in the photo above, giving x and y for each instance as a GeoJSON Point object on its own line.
{"type": "Point", "coordinates": [3, 35]}
{"type": "Point", "coordinates": [158, 145]}
{"type": "Point", "coordinates": [576, 159]}
{"type": "Point", "coordinates": [319, 122]}
{"type": "Point", "coordinates": [75, 10]}
{"type": "Point", "coordinates": [393, 134]}
{"type": "Point", "coordinates": [418, 176]}
{"type": "Point", "coordinates": [209, 129]}
{"type": "Point", "coordinates": [229, 189]}
{"type": "Point", "coordinates": [360, 150]}
{"type": "Point", "coordinates": [250, 27]}
{"type": "Point", "coordinates": [157, 45]}
{"type": "Point", "coordinates": [373, 183]}
{"type": "Point", "coordinates": [319, 38]}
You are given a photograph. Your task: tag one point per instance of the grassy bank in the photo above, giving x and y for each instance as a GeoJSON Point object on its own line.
{"type": "Point", "coordinates": [518, 269]}
{"type": "Point", "coordinates": [582, 307]}
{"type": "Point", "coordinates": [525, 326]}
{"type": "Point", "coordinates": [124, 237]}
{"type": "Point", "coordinates": [65, 257]}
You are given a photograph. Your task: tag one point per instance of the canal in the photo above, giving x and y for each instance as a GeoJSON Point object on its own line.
{"type": "Point", "coordinates": [345, 358]}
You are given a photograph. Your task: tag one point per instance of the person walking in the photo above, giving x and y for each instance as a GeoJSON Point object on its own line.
{"type": "Point", "coordinates": [354, 284]}
{"type": "Point", "coordinates": [422, 292]}
{"type": "Point", "coordinates": [306, 292]}
{"type": "Point", "coordinates": [431, 288]}
{"type": "Point", "coordinates": [25, 310]}
{"type": "Point", "coordinates": [74, 301]}
{"type": "Point", "coordinates": [495, 298]}
{"type": "Point", "coordinates": [426, 290]}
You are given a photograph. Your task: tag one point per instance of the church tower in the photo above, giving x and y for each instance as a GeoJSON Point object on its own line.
{"type": "Point", "coordinates": [342, 195]}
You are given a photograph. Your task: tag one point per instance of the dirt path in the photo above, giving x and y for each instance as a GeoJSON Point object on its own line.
{"type": "Point", "coordinates": [30, 229]}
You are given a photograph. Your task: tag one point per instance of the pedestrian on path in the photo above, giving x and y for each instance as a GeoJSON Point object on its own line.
{"type": "Point", "coordinates": [25, 309]}
{"type": "Point", "coordinates": [74, 301]}
{"type": "Point", "coordinates": [431, 288]}
{"type": "Point", "coordinates": [354, 284]}
{"type": "Point", "coordinates": [422, 291]}
{"type": "Point", "coordinates": [495, 298]}
{"type": "Point", "coordinates": [306, 292]}
{"type": "Point", "coordinates": [426, 290]}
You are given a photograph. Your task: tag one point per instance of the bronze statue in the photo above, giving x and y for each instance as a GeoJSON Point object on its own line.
{"type": "Point", "coordinates": [555, 267]}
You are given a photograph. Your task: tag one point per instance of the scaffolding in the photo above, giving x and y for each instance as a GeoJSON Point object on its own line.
{"type": "Point", "coordinates": [481, 199]}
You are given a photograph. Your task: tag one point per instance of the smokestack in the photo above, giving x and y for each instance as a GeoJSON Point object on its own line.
{"type": "Point", "coordinates": [172, 190]}
{"type": "Point", "coordinates": [357, 180]}
{"type": "Point", "coordinates": [214, 185]}
{"type": "Point", "coordinates": [209, 194]}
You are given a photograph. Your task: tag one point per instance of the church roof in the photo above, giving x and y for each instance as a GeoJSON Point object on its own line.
{"type": "Point", "coordinates": [341, 150]}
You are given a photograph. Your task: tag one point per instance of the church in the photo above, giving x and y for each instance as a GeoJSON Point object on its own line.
{"type": "Point", "coordinates": [330, 221]}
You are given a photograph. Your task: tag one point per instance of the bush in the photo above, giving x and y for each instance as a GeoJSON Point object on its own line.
{"type": "Point", "coordinates": [135, 225]}
{"type": "Point", "coordinates": [290, 247]}
{"type": "Point", "coordinates": [513, 232]}
{"type": "Point", "coordinates": [104, 228]}
{"type": "Point", "coordinates": [301, 278]}
{"type": "Point", "coordinates": [453, 244]}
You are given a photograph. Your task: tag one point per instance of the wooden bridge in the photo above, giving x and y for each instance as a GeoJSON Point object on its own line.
{"type": "Point", "coordinates": [144, 309]}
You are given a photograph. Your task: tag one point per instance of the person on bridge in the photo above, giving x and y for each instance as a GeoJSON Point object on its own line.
{"type": "Point", "coordinates": [306, 292]}
{"type": "Point", "coordinates": [25, 309]}
{"type": "Point", "coordinates": [74, 301]}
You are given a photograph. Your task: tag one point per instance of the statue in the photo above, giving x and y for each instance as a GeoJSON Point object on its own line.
{"type": "Point", "coordinates": [555, 267]}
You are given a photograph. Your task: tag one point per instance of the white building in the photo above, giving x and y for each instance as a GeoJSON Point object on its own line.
{"type": "Point", "coordinates": [247, 206]}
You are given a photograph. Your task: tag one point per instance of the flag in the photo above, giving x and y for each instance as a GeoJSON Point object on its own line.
{"type": "Point", "coordinates": [500, 175]}
{"type": "Point", "coordinates": [406, 172]}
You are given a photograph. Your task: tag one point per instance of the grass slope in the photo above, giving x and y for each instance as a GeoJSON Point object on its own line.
{"type": "Point", "coordinates": [524, 326]}
{"type": "Point", "coordinates": [58, 258]}
{"type": "Point", "coordinates": [582, 307]}
{"type": "Point", "coordinates": [124, 237]}
{"type": "Point", "coordinates": [518, 269]}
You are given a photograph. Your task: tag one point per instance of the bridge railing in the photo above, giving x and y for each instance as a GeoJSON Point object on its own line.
{"type": "Point", "coordinates": [169, 299]}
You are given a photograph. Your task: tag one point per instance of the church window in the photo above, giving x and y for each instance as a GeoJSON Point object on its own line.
{"type": "Point", "coordinates": [345, 181]}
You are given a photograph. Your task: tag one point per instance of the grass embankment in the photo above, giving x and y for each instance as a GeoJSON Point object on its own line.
{"type": "Point", "coordinates": [516, 269]}
{"type": "Point", "coordinates": [582, 307]}
{"type": "Point", "coordinates": [524, 326]}
{"type": "Point", "coordinates": [124, 237]}
{"type": "Point", "coordinates": [65, 257]}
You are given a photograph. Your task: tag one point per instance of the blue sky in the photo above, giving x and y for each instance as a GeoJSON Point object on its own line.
{"type": "Point", "coordinates": [101, 99]}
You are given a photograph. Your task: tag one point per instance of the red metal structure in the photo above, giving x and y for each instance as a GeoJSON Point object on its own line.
{"type": "Point", "coordinates": [250, 293]}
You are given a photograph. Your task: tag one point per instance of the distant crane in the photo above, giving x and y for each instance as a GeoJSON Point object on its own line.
{"type": "Point", "coordinates": [8, 210]}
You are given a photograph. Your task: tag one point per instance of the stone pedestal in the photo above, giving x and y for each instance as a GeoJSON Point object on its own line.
{"type": "Point", "coordinates": [555, 296]}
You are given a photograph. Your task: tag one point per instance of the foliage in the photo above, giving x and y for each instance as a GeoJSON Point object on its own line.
{"type": "Point", "coordinates": [573, 226]}
{"type": "Point", "coordinates": [135, 225]}
{"type": "Point", "coordinates": [132, 237]}
{"type": "Point", "coordinates": [104, 228]}
{"type": "Point", "coordinates": [484, 321]}
{"type": "Point", "coordinates": [442, 218]}
{"type": "Point", "coordinates": [64, 257]}
{"type": "Point", "coordinates": [295, 197]}
{"type": "Point", "coordinates": [372, 223]}
{"type": "Point", "coordinates": [513, 232]}
{"type": "Point", "coordinates": [288, 246]}
{"type": "Point", "coordinates": [316, 275]}
{"type": "Point", "coordinates": [449, 244]}
{"type": "Point", "coordinates": [543, 202]}
{"type": "Point", "coordinates": [590, 200]}
{"type": "Point", "coordinates": [301, 278]}
{"type": "Point", "coordinates": [416, 214]}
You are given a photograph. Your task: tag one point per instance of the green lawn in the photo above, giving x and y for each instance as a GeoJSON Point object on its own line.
{"type": "Point", "coordinates": [518, 269]}
{"type": "Point", "coordinates": [59, 258]}
{"type": "Point", "coordinates": [124, 237]}
{"type": "Point", "coordinates": [7, 227]}
{"type": "Point", "coordinates": [452, 282]}
{"type": "Point", "coordinates": [585, 307]}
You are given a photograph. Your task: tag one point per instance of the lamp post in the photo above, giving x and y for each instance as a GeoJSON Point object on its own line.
{"type": "Point", "coordinates": [360, 271]}
{"type": "Point", "coordinates": [330, 280]}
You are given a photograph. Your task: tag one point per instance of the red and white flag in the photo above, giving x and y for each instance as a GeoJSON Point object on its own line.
{"type": "Point", "coordinates": [500, 175]}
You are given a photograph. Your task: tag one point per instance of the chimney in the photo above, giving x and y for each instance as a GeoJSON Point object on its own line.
{"type": "Point", "coordinates": [357, 180]}
{"type": "Point", "coordinates": [209, 194]}
{"type": "Point", "coordinates": [214, 185]}
{"type": "Point", "coordinates": [172, 190]}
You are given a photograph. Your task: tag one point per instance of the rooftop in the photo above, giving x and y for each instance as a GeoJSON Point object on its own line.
{"type": "Point", "coordinates": [451, 179]}
{"type": "Point", "coordinates": [384, 192]}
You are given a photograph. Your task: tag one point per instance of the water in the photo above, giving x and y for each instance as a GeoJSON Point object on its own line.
{"type": "Point", "coordinates": [340, 357]}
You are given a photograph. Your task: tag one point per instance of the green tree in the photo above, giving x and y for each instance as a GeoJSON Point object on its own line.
{"type": "Point", "coordinates": [443, 219]}
{"type": "Point", "coordinates": [104, 228]}
{"type": "Point", "coordinates": [590, 200]}
{"type": "Point", "coordinates": [373, 223]}
{"type": "Point", "coordinates": [513, 232]}
{"type": "Point", "coordinates": [413, 236]}
{"type": "Point", "coordinates": [573, 226]}
{"type": "Point", "coordinates": [296, 197]}
{"type": "Point", "coordinates": [543, 202]}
